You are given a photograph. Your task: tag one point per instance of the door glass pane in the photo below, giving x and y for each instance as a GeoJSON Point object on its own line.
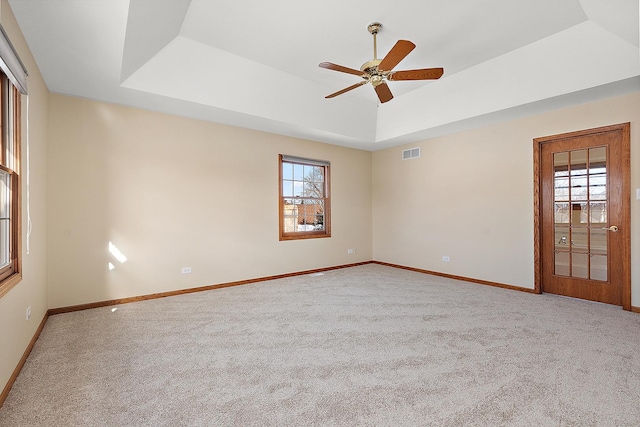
{"type": "Point", "coordinates": [579, 214]}
{"type": "Point", "coordinates": [562, 238]}
{"type": "Point", "coordinates": [562, 213]}
{"type": "Point", "coordinates": [597, 160]}
{"type": "Point", "coordinates": [561, 264]}
{"type": "Point", "coordinates": [579, 265]}
{"type": "Point", "coordinates": [598, 213]}
{"type": "Point", "coordinates": [561, 189]}
{"type": "Point", "coordinates": [598, 243]}
{"type": "Point", "coordinates": [598, 173]}
{"type": "Point", "coordinates": [598, 187]}
{"type": "Point", "coordinates": [561, 164]}
{"type": "Point", "coordinates": [579, 240]}
{"type": "Point", "coordinates": [579, 188]}
{"type": "Point", "coordinates": [578, 163]}
{"type": "Point", "coordinates": [598, 267]}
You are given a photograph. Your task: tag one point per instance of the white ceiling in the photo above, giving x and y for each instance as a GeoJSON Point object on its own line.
{"type": "Point", "coordinates": [254, 63]}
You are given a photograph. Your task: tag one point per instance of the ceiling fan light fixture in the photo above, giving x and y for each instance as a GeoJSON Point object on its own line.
{"type": "Point", "coordinates": [376, 79]}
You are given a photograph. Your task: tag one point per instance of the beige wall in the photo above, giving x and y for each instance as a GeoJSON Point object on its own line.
{"type": "Point", "coordinates": [15, 330]}
{"type": "Point", "coordinates": [171, 192]}
{"type": "Point", "coordinates": [470, 196]}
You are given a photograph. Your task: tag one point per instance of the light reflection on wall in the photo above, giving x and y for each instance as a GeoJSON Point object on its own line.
{"type": "Point", "coordinates": [119, 256]}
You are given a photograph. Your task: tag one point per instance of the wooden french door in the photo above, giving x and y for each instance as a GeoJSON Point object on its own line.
{"type": "Point", "coordinates": [584, 215]}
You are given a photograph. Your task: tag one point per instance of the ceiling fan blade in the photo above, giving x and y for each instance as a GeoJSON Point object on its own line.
{"type": "Point", "coordinates": [384, 93]}
{"type": "Point", "coordinates": [340, 92]}
{"type": "Point", "coordinates": [397, 53]}
{"type": "Point", "coordinates": [336, 67]}
{"type": "Point", "coordinates": [422, 74]}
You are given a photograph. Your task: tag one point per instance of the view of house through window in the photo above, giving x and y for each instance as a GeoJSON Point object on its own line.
{"type": "Point", "coordinates": [304, 198]}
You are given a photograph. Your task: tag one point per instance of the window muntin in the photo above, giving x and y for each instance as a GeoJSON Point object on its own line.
{"type": "Point", "coordinates": [304, 198]}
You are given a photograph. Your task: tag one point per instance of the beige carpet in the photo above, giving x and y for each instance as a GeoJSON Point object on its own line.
{"type": "Point", "coordinates": [368, 345]}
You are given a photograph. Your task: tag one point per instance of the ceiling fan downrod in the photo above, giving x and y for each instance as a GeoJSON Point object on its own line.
{"type": "Point", "coordinates": [372, 65]}
{"type": "Point", "coordinates": [374, 28]}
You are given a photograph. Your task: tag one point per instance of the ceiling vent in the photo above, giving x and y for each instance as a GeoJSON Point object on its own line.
{"type": "Point", "coordinates": [411, 153]}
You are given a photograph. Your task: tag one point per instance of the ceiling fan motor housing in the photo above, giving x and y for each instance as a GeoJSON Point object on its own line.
{"type": "Point", "coordinates": [370, 65]}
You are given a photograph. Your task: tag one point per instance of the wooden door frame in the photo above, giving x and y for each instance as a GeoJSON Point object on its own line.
{"type": "Point", "coordinates": [624, 128]}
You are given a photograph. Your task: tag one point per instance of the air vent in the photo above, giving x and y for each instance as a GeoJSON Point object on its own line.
{"type": "Point", "coordinates": [411, 153]}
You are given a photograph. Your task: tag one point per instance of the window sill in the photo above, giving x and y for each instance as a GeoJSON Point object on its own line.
{"type": "Point", "coordinates": [304, 236]}
{"type": "Point", "coordinates": [9, 283]}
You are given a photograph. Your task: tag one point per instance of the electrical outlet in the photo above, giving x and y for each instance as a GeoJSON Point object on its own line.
{"type": "Point", "coordinates": [28, 312]}
{"type": "Point", "coordinates": [351, 251]}
{"type": "Point", "coordinates": [186, 270]}
{"type": "Point", "coordinates": [446, 259]}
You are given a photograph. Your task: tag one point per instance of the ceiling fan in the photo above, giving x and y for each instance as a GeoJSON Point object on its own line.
{"type": "Point", "coordinates": [377, 70]}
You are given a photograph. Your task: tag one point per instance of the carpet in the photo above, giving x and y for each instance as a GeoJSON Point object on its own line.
{"type": "Point", "coordinates": [370, 345]}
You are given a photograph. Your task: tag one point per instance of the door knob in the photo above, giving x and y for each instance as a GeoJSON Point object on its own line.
{"type": "Point", "coordinates": [613, 228]}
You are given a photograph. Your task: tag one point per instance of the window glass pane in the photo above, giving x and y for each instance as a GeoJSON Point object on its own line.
{"type": "Point", "coordinates": [289, 223]}
{"type": "Point", "coordinates": [5, 222]}
{"type": "Point", "coordinates": [5, 194]}
{"type": "Point", "coordinates": [298, 172]}
{"type": "Point", "coordinates": [298, 188]}
{"type": "Point", "coordinates": [287, 188]}
{"type": "Point", "coordinates": [287, 171]}
{"type": "Point", "coordinates": [308, 172]}
{"type": "Point", "coordinates": [309, 189]}
{"type": "Point", "coordinates": [5, 253]}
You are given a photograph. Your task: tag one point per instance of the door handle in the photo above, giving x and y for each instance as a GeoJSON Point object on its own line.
{"type": "Point", "coordinates": [613, 228]}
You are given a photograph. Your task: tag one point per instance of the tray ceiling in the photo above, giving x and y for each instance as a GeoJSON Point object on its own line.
{"type": "Point", "coordinates": [254, 64]}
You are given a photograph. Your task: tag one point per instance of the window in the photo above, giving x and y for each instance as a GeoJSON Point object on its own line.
{"type": "Point", "coordinates": [305, 202]}
{"type": "Point", "coordinates": [9, 184]}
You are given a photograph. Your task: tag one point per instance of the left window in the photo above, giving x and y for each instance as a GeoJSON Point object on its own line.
{"type": "Point", "coordinates": [10, 230]}
{"type": "Point", "coordinates": [305, 200]}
